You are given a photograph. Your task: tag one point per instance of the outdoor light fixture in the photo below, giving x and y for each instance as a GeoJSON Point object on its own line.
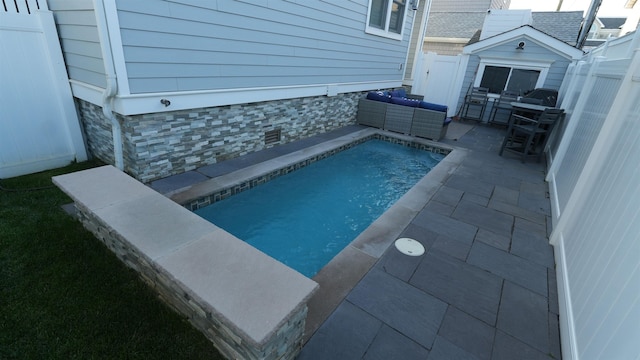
{"type": "Point", "coordinates": [520, 45]}
{"type": "Point", "coordinates": [414, 4]}
{"type": "Point", "coordinates": [165, 102]}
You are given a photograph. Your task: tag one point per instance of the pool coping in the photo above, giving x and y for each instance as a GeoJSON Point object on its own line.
{"type": "Point", "coordinates": [249, 312]}
{"type": "Point", "coordinates": [346, 269]}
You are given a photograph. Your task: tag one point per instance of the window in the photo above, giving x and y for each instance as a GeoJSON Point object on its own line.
{"type": "Point", "coordinates": [386, 18]}
{"type": "Point", "coordinates": [500, 78]}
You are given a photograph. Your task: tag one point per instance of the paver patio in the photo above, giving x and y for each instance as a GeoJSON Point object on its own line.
{"type": "Point", "coordinates": [485, 287]}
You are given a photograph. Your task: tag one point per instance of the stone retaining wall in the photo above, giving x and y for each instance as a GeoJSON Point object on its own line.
{"type": "Point", "coordinates": [249, 305]}
{"type": "Point", "coordinates": [163, 144]}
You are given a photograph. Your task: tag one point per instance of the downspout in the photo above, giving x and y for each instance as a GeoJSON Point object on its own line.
{"type": "Point", "coordinates": [112, 82]}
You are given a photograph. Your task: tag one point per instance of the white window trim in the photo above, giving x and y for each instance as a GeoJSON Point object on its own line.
{"type": "Point", "coordinates": [539, 65]}
{"type": "Point", "coordinates": [386, 33]}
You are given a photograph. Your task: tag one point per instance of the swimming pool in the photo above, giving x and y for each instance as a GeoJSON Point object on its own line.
{"type": "Point", "coordinates": [305, 218]}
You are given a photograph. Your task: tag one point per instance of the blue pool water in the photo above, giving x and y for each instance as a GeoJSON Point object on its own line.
{"type": "Point", "coordinates": [305, 218]}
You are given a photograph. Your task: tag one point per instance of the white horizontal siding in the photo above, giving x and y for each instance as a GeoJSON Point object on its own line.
{"type": "Point", "coordinates": [195, 45]}
{"type": "Point", "coordinates": [460, 6]}
{"type": "Point", "coordinates": [506, 52]}
{"type": "Point", "coordinates": [532, 51]}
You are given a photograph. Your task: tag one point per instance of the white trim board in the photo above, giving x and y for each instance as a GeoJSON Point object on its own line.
{"type": "Point", "coordinates": [532, 34]}
{"type": "Point", "coordinates": [567, 330]}
{"type": "Point", "coordinates": [150, 102]}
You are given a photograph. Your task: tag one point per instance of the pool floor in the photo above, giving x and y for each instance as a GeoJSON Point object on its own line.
{"type": "Point", "coordinates": [307, 217]}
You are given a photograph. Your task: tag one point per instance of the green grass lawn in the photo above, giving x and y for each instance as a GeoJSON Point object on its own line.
{"type": "Point", "coordinates": [64, 295]}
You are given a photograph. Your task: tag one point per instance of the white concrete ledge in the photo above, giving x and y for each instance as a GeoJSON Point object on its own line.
{"type": "Point", "coordinates": [245, 289]}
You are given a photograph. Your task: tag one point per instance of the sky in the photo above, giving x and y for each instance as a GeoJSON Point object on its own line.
{"type": "Point", "coordinates": [608, 8]}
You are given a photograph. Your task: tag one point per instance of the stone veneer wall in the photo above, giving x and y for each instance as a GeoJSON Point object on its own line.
{"type": "Point", "coordinates": [162, 144]}
{"type": "Point", "coordinates": [286, 343]}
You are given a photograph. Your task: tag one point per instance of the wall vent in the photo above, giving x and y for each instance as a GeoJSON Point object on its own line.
{"type": "Point", "coordinates": [272, 136]}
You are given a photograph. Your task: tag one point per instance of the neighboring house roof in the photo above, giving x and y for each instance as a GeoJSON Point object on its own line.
{"type": "Point", "coordinates": [530, 32]}
{"type": "Point", "coordinates": [454, 24]}
{"type": "Point", "coordinates": [562, 25]}
{"type": "Point", "coordinates": [612, 23]}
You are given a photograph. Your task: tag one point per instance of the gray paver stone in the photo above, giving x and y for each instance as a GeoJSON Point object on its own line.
{"type": "Point", "coordinates": [467, 287]}
{"type": "Point", "coordinates": [448, 195]}
{"type": "Point", "coordinates": [390, 344]}
{"type": "Point", "coordinates": [444, 225]}
{"type": "Point", "coordinates": [445, 350]}
{"type": "Point", "coordinates": [468, 333]}
{"type": "Point", "coordinates": [412, 312]}
{"type": "Point", "coordinates": [506, 347]}
{"type": "Point", "coordinates": [484, 217]}
{"type": "Point", "coordinates": [508, 266]}
{"type": "Point", "coordinates": [452, 247]}
{"type": "Point", "coordinates": [523, 314]}
{"type": "Point", "coordinates": [346, 334]}
{"type": "Point", "coordinates": [497, 241]}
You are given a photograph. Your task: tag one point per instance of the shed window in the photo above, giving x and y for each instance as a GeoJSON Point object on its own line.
{"type": "Point", "coordinates": [386, 18]}
{"type": "Point", "coordinates": [499, 78]}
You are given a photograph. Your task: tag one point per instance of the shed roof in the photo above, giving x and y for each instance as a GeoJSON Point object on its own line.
{"type": "Point", "coordinates": [454, 24]}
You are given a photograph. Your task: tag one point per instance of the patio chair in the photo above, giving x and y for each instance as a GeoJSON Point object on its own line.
{"type": "Point", "coordinates": [528, 137]}
{"type": "Point", "coordinates": [503, 106]}
{"type": "Point", "coordinates": [476, 101]}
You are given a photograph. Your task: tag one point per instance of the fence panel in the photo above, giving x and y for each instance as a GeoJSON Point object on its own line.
{"type": "Point", "coordinates": [596, 236]}
{"type": "Point", "coordinates": [40, 128]}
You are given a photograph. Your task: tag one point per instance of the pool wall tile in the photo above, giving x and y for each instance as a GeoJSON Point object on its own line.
{"type": "Point", "coordinates": [222, 194]}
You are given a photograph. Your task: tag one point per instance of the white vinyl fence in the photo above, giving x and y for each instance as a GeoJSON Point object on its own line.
{"type": "Point", "coordinates": [594, 180]}
{"type": "Point", "coordinates": [39, 126]}
{"type": "Point", "coordinates": [439, 78]}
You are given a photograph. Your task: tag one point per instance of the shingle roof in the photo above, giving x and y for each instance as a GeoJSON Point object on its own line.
{"type": "Point", "coordinates": [562, 25]}
{"type": "Point", "coordinates": [612, 23]}
{"type": "Point", "coordinates": [454, 24]}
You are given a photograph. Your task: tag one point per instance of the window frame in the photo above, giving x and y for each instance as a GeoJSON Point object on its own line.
{"type": "Point", "coordinates": [537, 65]}
{"type": "Point", "coordinates": [386, 32]}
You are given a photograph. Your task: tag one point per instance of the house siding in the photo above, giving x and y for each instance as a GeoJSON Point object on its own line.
{"type": "Point", "coordinates": [189, 46]}
{"type": "Point", "coordinates": [469, 78]}
{"type": "Point", "coordinates": [532, 52]}
{"type": "Point", "coordinates": [78, 33]}
{"type": "Point", "coordinates": [460, 6]}
{"type": "Point", "coordinates": [415, 41]}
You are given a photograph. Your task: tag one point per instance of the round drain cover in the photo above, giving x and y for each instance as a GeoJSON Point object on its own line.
{"type": "Point", "coordinates": [409, 247]}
